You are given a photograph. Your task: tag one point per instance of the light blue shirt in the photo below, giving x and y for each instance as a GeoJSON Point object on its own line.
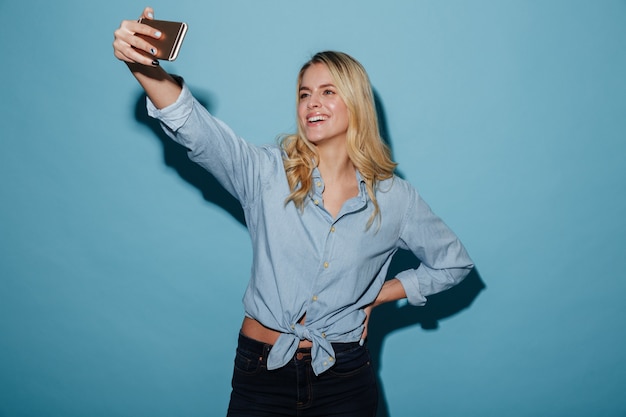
{"type": "Point", "coordinates": [307, 261]}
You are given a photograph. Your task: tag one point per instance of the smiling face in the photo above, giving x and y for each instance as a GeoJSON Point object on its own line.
{"type": "Point", "coordinates": [322, 113]}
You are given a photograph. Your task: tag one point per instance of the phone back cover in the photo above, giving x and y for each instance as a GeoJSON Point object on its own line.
{"type": "Point", "coordinates": [172, 35]}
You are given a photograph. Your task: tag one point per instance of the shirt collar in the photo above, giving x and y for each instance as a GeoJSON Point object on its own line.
{"type": "Point", "coordinates": [317, 176]}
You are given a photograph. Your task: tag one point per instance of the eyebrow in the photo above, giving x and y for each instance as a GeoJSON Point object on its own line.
{"type": "Point", "coordinates": [321, 86]}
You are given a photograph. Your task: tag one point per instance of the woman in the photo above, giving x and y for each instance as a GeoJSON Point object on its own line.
{"type": "Point", "coordinates": [325, 214]}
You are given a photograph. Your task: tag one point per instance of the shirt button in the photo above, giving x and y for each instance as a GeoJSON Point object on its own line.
{"type": "Point", "coordinates": [324, 335]}
{"type": "Point", "coordinates": [330, 359]}
{"type": "Point", "coordinates": [332, 229]}
{"type": "Point", "coordinates": [316, 202]}
{"type": "Point", "coordinates": [315, 298]}
{"type": "Point", "coordinates": [293, 327]}
{"type": "Point", "coordinates": [319, 184]}
{"type": "Point", "coordinates": [325, 264]}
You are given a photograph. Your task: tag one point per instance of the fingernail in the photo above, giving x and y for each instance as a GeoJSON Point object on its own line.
{"type": "Point", "coordinates": [150, 15]}
{"type": "Point", "coordinates": [155, 63]}
{"type": "Point", "coordinates": [361, 342]}
{"type": "Point", "coordinates": [153, 51]}
{"type": "Point", "coordinates": [157, 34]}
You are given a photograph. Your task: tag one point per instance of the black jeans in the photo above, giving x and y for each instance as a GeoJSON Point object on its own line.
{"type": "Point", "coordinates": [348, 389]}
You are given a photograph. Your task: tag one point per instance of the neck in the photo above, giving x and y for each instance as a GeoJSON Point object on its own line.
{"type": "Point", "coordinates": [336, 167]}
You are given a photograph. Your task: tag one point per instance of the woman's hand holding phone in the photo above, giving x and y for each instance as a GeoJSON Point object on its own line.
{"type": "Point", "coordinates": [147, 40]}
{"type": "Point", "coordinates": [135, 44]}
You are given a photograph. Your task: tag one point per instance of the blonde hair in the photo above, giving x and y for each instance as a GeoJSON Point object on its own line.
{"type": "Point", "coordinates": [366, 150]}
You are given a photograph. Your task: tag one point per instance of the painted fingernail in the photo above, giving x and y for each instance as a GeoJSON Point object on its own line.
{"type": "Point", "coordinates": [150, 15]}
{"type": "Point", "coordinates": [153, 51]}
{"type": "Point", "coordinates": [157, 34]}
{"type": "Point", "coordinates": [155, 63]}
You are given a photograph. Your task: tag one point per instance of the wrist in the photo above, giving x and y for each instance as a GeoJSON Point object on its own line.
{"type": "Point", "coordinates": [392, 290]}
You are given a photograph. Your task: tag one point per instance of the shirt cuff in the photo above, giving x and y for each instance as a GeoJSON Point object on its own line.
{"type": "Point", "coordinates": [176, 114]}
{"type": "Point", "coordinates": [411, 285]}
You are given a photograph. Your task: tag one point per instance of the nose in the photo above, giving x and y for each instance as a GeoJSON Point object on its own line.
{"type": "Point", "coordinates": [313, 102]}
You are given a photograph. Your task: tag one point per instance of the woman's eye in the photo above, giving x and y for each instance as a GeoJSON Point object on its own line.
{"type": "Point", "coordinates": [329, 92]}
{"type": "Point", "coordinates": [303, 96]}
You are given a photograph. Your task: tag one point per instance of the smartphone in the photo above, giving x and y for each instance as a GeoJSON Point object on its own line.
{"type": "Point", "coordinates": [172, 35]}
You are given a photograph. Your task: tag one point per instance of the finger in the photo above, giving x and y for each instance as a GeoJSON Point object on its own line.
{"type": "Point", "coordinates": [132, 27]}
{"type": "Point", "coordinates": [126, 35]}
{"type": "Point", "coordinates": [125, 51]}
{"type": "Point", "coordinates": [368, 314]}
{"type": "Point", "coordinates": [148, 13]}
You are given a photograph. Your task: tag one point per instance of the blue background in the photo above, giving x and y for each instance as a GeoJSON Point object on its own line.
{"type": "Point", "coordinates": [122, 265]}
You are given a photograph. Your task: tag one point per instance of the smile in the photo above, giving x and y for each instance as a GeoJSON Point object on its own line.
{"type": "Point", "coordinates": [317, 118]}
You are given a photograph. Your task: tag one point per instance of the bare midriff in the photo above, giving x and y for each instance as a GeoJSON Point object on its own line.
{"type": "Point", "coordinates": [255, 330]}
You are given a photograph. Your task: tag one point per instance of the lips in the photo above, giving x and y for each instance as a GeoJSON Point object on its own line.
{"type": "Point", "coordinates": [317, 118]}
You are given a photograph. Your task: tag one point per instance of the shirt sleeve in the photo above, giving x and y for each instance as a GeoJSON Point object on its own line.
{"type": "Point", "coordinates": [212, 144]}
{"type": "Point", "coordinates": [444, 260]}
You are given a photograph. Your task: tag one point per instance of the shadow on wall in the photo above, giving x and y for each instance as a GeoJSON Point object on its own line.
{"type": "Point", "coordinates": [175, 156]}
{"type": "Point", "coordinates": [387, 318]}
{"type": "Point", "coordinates": [391, 317]}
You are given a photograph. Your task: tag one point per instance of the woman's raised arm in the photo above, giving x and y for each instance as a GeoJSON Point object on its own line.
{"type": "Point", "coordinates": [138, 54]}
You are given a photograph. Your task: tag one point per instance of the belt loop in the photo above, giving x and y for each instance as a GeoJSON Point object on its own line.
{"type": "Point", "coordinates": [266, 352]}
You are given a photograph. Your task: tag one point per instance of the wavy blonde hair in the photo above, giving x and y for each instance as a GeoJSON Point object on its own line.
{"type": "Point", "coordinates": [366, 149]}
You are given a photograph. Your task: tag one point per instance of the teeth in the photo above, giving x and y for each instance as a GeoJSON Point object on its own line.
{"type": "Point", "coordinates": [317, 118]}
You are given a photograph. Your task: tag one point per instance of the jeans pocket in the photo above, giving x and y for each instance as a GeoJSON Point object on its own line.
{"type": "Point", "coordinates": [247, 362]}
{"type": "Point", "coordinates": [351, 362]}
